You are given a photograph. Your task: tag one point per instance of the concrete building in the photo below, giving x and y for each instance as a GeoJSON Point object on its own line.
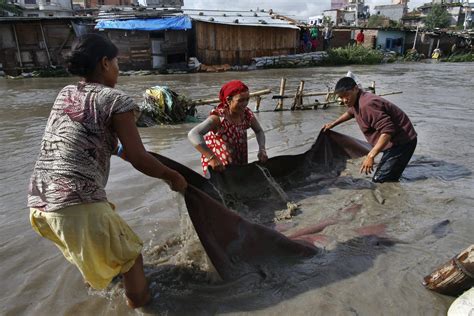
{"type": "Point", "coordinates": [338, 4]}
{"type": "Point", "coordinates": [316, 20]}
{"type": "Point", "coordinates": [45, 8]}
{"type": "Point", "coordinates": [336, 16]}
{"type": "Point", "coordinates": [394, 12]}
{"type": "Point", "coordinates": [352, 13]}
{"type": "Point", "coordinates": [404, 2]}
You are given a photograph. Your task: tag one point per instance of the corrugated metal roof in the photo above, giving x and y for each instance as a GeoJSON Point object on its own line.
{"type": "Point", "coordinates": [131, 12]}
{"type": "Point", "coordinates": [247, 18]}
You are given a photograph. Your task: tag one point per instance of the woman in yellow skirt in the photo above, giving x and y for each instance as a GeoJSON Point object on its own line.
{"type": "Point", "coordinates": [67, 198]}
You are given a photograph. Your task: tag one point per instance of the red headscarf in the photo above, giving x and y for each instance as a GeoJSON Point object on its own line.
{"type": "Point", "coordinates": [230, 89]}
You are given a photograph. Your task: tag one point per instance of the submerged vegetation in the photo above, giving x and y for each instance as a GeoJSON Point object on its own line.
{"type": "Point", "coordinates": [353, 54]}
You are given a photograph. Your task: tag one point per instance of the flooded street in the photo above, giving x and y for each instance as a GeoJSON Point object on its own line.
{"type": "Point", "coordinates": [427, 216]}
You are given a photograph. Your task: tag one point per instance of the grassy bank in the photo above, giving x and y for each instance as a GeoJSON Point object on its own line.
{"type": "Point", "coordinates": [459, 58]}
{"type": "Point", "coordinates": [353, 55]}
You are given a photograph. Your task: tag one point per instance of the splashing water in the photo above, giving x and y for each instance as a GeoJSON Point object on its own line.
{"type": "Point", "coordinates": [278, 189]}
{"type": "Point", "coordinates": [291, 206]}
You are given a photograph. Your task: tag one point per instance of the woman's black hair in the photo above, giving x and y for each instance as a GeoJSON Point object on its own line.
{"type": "Point", "coordinates": [86, 51]}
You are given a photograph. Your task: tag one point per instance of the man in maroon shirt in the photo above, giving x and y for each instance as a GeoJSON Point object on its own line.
{"type": "Point", "coordinates": [385, 126]}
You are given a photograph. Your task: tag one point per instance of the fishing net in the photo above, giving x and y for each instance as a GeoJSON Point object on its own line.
{"type": "Point", "coordinates": [237, 246]}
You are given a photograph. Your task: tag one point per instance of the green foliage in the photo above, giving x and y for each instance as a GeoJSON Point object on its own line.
{"type": "Point", "coordinates": [51, 72]}
{"type": "Point", "coordinates": [382, 21]}
{"type": "Point", "coordinates": [353, 54]}
{"type": "Point", "coordinates": [327, 20]}
{"type": "Point", "coordinates": [413, 55]}
{"type": "Point", "coordinates": [437, 18]}
{"type": "Point", "coordinates": [7, 7]}
{"type": "Point", "coordinates": [376, 21]}
{"type": "Point", "coordinates": [458, 58]}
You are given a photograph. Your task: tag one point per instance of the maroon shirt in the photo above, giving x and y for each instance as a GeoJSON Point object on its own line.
{"type": "Point", "coordinates": [377, 116]}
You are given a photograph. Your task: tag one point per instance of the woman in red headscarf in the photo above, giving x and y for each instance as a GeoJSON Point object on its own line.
{"type": "Point", "coordinates": [222, 137]}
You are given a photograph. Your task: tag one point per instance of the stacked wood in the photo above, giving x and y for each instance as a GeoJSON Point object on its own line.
{"type": "Point", "coordinates": [455, 276]}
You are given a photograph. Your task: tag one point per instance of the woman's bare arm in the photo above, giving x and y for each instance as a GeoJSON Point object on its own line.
{"type": "Point", "coordinates": [127, 132]}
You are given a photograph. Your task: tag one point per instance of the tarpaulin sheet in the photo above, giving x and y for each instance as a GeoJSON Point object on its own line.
{"type": "Point", "coordinates": [172, 23]}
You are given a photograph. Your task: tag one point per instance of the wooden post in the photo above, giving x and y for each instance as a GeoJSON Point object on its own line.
{"type": "Point", "coordinates": [46, 45]}
{"type": "Point", "coordinates": [300, 95]}
{"type": "Point", "coordinates": [297, 101]}
{"type": "Point", "coordinates": [372, 87]}
{"type": "Point", "coordinates": [257, 106]}
{"type": "Point", "coordinates": [17, 46]}
{"type": "Point", "coordinates": [328, 96]}
{"type": "Point", "coordinates": [279, 105]}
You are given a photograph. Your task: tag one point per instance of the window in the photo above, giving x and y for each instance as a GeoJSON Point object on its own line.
{"type": "Point", "coordinates": [30, 1]}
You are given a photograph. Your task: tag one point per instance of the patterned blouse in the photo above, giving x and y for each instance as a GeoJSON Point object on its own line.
{"type": "Point", "coordinates": [74, 160]}
{"type": "Point", "coordinates": [229, 141]}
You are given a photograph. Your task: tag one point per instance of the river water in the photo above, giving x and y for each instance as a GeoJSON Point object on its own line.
{"type": "Point", "coordinates": [428, 214]}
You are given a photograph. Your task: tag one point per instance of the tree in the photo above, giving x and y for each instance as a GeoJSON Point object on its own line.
{"type": "Point", "coordinates": [6, 7]}
{"type": "Point", "coordinates": [437, 18]}
{"type": "Point", "coordinates": [327, 20]}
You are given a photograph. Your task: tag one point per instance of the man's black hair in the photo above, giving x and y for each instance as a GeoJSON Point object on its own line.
{"type": "Point", "coordinates": [344, 84]}
{"type": "Point", "coordinates": [86, 51]}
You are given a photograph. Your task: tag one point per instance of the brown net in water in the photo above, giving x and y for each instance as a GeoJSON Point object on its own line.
{"type": "Point", "coordinates": [235, 245]}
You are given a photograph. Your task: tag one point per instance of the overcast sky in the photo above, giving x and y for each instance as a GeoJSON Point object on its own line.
{"type": "Point", "coordinates": [296, 8]}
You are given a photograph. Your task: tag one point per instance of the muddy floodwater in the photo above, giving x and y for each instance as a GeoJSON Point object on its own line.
{"type": "Point", "coordinates": [426, 218]}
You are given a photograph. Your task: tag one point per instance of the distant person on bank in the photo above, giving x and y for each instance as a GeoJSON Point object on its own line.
{"type": "Point", "coordinates": [222, 137]}
{"type": "Point", "coordinates": [327, 36]}
{"type": "Point", "coordinates": [360, 37]}
{"type": "Point", "coordinates": [386, 127]}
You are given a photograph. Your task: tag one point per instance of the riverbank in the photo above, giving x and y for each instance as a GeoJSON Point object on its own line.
{"type": "Point", "coordinates": [341, 56]}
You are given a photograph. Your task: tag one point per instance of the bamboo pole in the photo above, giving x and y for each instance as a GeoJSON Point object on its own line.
{"type": "Point", "coordinates": [390, 93]}
{"type": "Point", "coordinates": [310, 94]}
{"type": "Point", "coordinates": [372, 87]}
{"type": "Point", "coordinates": [216, 100]}
{"type": "Point", "coordinates": [298, 101]}
{"type": "Point", "coordinates": [300, 96]}
{"type": "Point", "coordinates": [279, 105]}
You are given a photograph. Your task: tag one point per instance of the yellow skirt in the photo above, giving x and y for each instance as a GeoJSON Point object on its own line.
{"type": "Point", "coordinates": [91, 236]}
